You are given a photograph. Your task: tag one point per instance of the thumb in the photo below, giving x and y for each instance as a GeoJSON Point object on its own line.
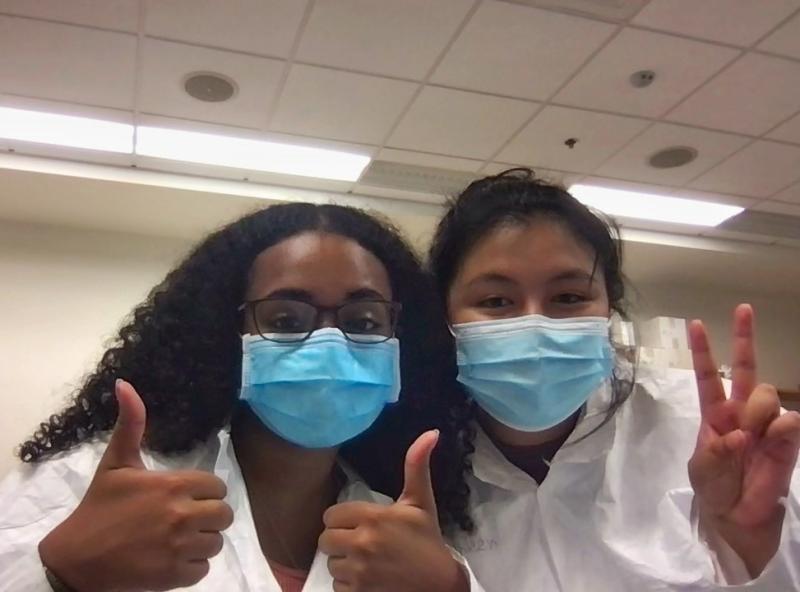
{"type": "Point", "coordinates": [418, 489]}
{"type": "Point", "coordinates": [124, 448]}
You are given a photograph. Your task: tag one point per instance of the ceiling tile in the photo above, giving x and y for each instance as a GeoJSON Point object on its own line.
{"type": "Point", "coordinates": [790, 194]}
{"type": "Point", "coordinates": [788, 131]}
{"type": "Point", "coordinates": [459, 123]}
{"type": "Point", "coordinates": [607, 10]}
{"type": "Point", "coordinates": [542, 142]}
{"type": "Point", "coordinates": [340, 105]}
{"type": "Point", "coordinates": [779, 207]}
{"type": "Point", "coordinates": [750, 97]}
{"type": "Point", "coordinates": [429, 160]}
{"type": "Point", "coordinates": [759, 170]}
{"type": "Point", "coordinates": [632, 161]}
{"type": "Point", "coordinates": [165, 65]}
{"type": "Point", "coordinates": [67, 63]}
{"type": "Point", "coordinates": [680, 65]}
{"type": "Point", "coordinates": [786, 40]}
{"type": "Point", "coordinates": [394, 193]}
{"type": "Point", "coordinates": [120, 15]}
{"type": "Point", "coordinates": [519, 51]}
{"type": "Point", "coordinates": [742, 22]}
{"type": "Point", "coordinates": [381, 36]}
{"type": "Point", "coordinates": [266, 27]}
{"type": "Point", "coordinates": [551, 176]}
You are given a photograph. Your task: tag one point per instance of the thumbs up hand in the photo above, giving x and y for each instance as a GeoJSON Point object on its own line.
{"type": "Point", "coordinates": [396, 548]}
{"type": "Point", "coordinates": [136, 529]}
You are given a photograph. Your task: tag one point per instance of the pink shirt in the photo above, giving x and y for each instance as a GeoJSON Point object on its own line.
{"type": "Point", "coordinates": [289, 579]}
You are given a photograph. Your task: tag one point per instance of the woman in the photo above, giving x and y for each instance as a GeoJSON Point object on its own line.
{"type": "Point", "coordinates": [253, 386]}
{"type": "Point", "coordinates": [579, 478]}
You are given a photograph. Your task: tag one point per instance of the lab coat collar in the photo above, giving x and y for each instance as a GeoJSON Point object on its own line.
{"type": "Point", "coordinates": [242, 535]}
{"type": "Point", "coordinates": [227, 468]}
{"type": "Point", "coordinates": [491, 466]}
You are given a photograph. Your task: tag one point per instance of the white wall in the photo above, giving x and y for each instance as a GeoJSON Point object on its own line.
{"type": "Point", "coordinates": [777, 324]}
{"type": "Point", "coordinates": [64, 293]}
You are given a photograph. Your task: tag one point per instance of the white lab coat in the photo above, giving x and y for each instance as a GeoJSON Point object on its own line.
{"type": "Point", "coordinates": [615, 511]}
{"type": "Point", "coordinates": [34, 499]}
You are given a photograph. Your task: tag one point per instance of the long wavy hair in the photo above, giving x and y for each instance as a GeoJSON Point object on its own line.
{"type": "Point", "coordinates": [181, 348]}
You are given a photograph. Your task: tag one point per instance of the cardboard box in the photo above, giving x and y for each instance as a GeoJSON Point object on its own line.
{"type": "Point", "coordinates": [622, 333]}
{"type": "Point", "coordinates": [664, 333]}
{"type": "Point", "coordinates": [660, 357]}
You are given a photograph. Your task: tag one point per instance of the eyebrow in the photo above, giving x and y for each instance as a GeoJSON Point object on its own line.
{"type": "Point", "coordinates": [291, 294]}
{"type": "Point", "coordinates": [570, 274]}
{"type": "Point", "coordinates": [365, 294]}
{"type": "Point", "coordinates": [305, 296]}
{"type": "Point", "coordinates": [490, 277]}
{"type": "Point", "coordinates": [574, 274]}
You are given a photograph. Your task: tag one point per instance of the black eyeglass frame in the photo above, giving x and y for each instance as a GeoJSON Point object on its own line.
{"type": "Point", "coordinates": [394, 309]}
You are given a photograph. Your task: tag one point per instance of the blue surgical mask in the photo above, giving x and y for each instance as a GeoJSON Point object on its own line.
{"type": "Point", "coordinates": [531, 373]}
{"type": "Point", "coordinates": [322, 391]}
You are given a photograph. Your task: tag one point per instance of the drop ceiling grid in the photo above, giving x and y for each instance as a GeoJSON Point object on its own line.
{"type": "Point", "coordinates": [298, 36]}
{"type": "Point", "coordinates": [664, 117]}
{"type": "Point", "coordinates": [766, 133]}
{"type": "Point", "coordinates": [11, 8]}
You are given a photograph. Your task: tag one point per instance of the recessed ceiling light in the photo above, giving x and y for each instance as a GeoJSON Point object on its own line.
{"type": "Point", "coordinates": [673, 157]}
{"type": "Point", "coordinates": [256, 155]}
{"type": "Point", "coordinates": [65, 130]}
{"type": "Point", "coordinates": [208, 87]}
{"type": "Point", "coordinates": [648, 206]}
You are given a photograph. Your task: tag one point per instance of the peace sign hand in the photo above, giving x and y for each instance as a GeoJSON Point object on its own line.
{"type": "Point", "coordinates": [746, 450]}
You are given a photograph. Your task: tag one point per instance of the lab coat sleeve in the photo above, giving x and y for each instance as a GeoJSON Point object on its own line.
{"type": "Point", "coordinates": [33, 501]}
{"type": "Point", "coordinates": [726, 570]}
{"type": "Point", "coordinates": [474, 585]}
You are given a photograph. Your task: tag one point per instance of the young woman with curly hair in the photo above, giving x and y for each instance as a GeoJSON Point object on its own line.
{"type": "Point", "coordinates": [221, 441]}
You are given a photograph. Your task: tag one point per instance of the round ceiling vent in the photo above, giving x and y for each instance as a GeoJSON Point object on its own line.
{"type": "Point", "coordinates": [208, 87]}
{"type": "Point", "coordinates": [670, 158]}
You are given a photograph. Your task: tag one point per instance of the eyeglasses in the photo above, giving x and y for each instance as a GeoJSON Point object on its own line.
{"type": "Point", "coordinates": [286, 320]}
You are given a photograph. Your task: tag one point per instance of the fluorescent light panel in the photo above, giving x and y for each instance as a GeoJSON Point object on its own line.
{"type": "Point", "coordinates": [65, 130]}
{"type": "Point", "coordinates": [257, 155]}
{"type": "Point", "coordinates": [648, 206]}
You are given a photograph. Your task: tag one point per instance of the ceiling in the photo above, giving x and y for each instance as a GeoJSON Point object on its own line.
{"type": "Point", "coordinates": [461, 86]}
{"type": "Point", "coordinates": [79, 196]}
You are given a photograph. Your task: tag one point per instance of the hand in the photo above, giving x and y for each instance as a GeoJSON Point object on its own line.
{"type": "Point", "coordinates": [746, 450]}
{"type": "Point", "coordinates": [399, 547]}
{"type": "Point", "coordinates": [137, 529]}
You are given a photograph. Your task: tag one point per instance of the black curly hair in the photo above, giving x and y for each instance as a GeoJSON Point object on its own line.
{"type": "Point", "coordinates": [517, 196]}
{"type": "Point", "coordinates": [181, 348]}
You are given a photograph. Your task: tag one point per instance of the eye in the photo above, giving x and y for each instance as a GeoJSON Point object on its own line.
{"type": "Point", "coordinates": [570, 298]}
{"type": "Point", "coordinates": [361, 325]}
{"type": "Point", "coordinates": [495, 302]}
{"type": "Point", "coordinates": [283, 323]}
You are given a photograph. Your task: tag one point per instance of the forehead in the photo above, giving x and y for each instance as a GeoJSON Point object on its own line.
{"type": "Point", "coordinates": [533, 249]}
{"type": "Point", "coordinates": [321, 263]}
